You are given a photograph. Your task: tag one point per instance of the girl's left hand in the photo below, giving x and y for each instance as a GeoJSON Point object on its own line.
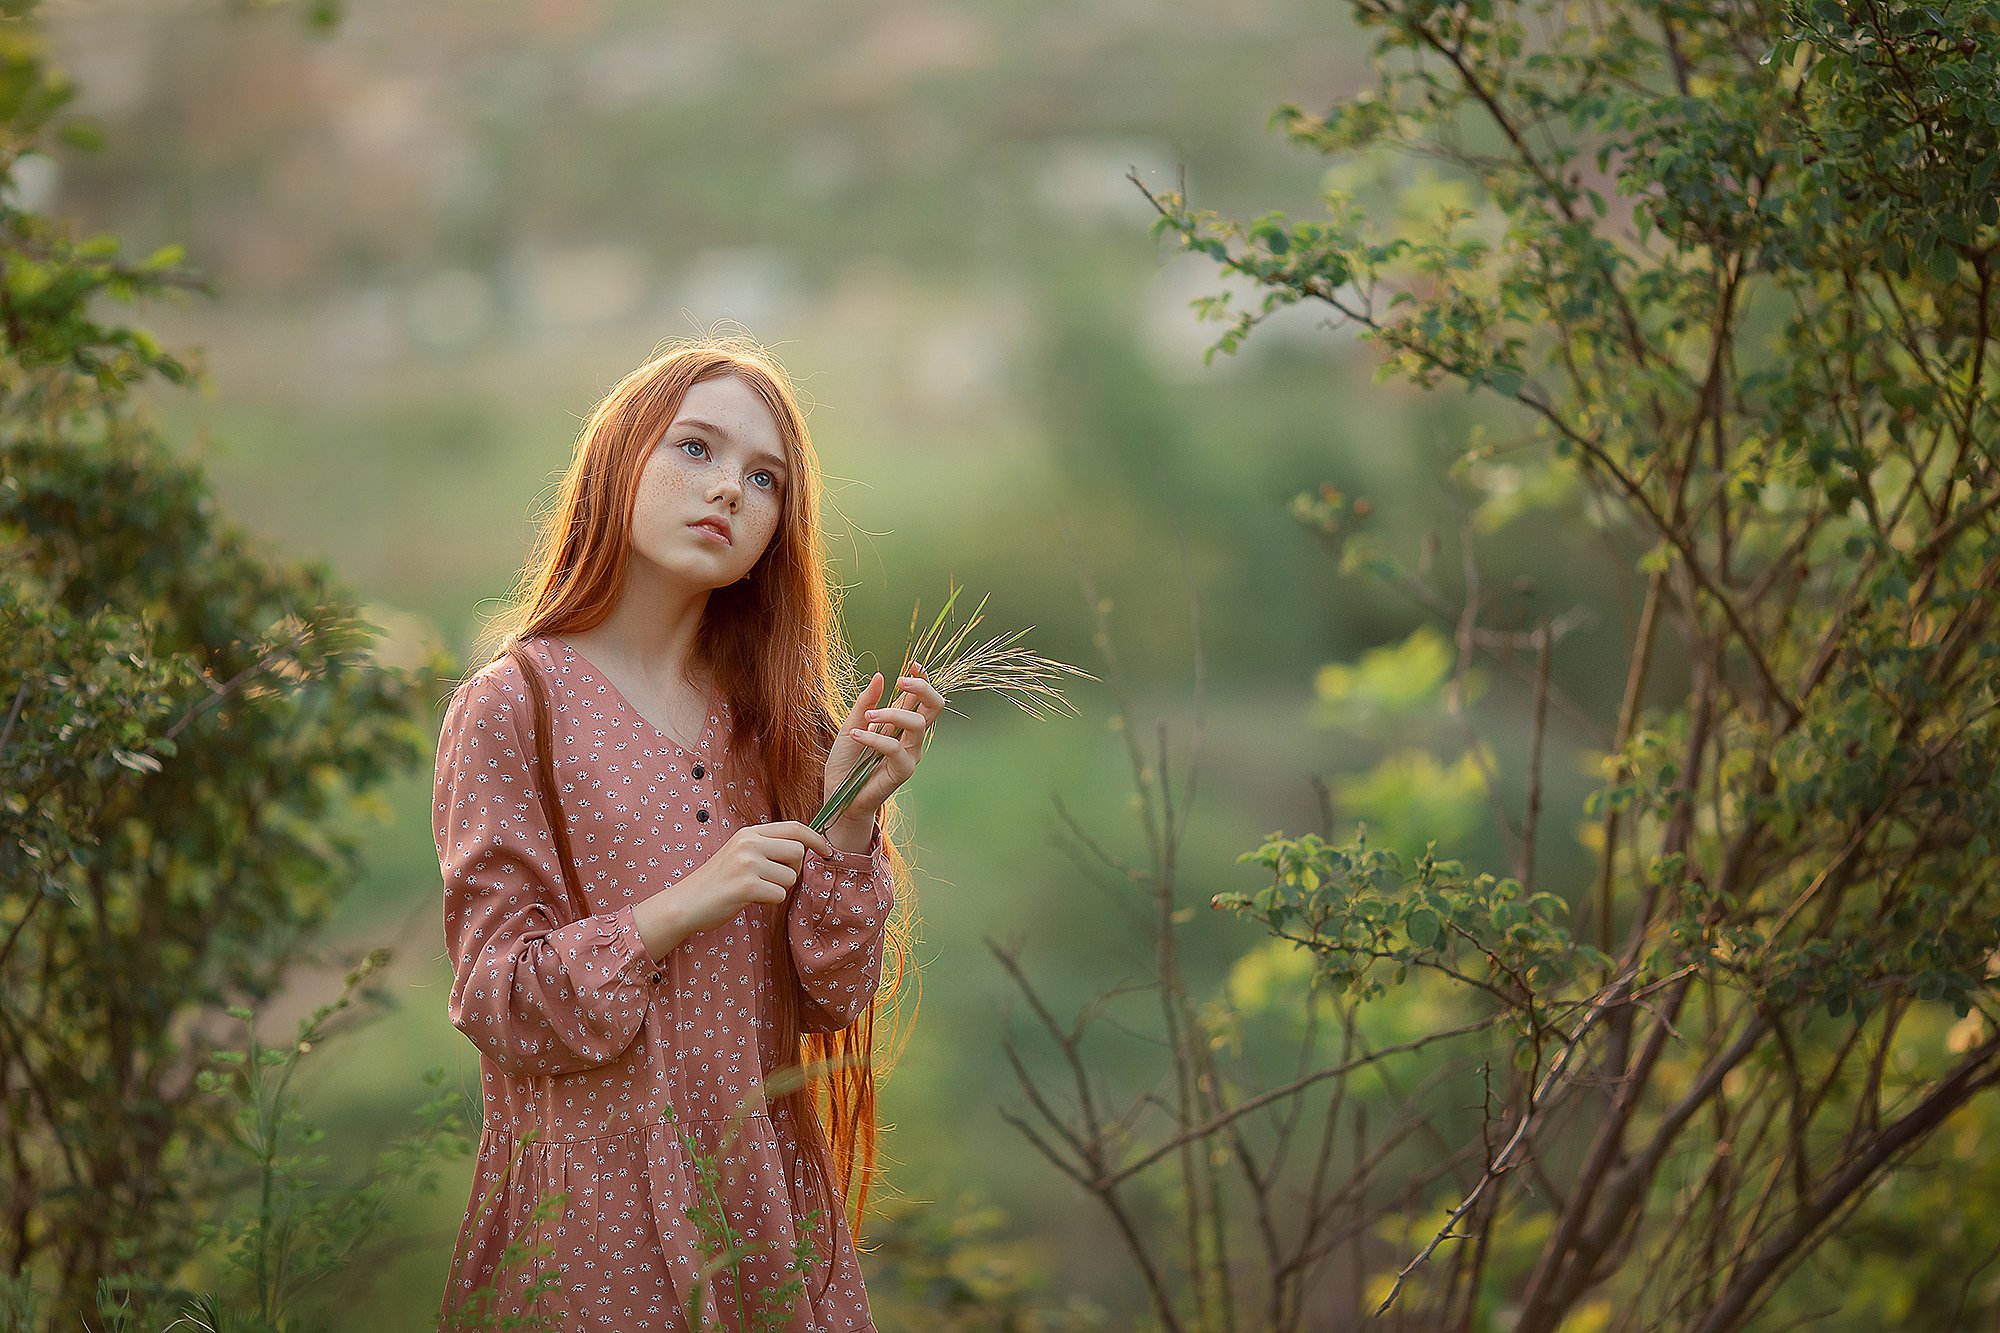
{"type": "Point", "coordinates": [915, 707]}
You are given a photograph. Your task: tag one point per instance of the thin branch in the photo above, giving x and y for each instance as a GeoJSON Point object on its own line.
{"type": "Point", "coordinates": [1503, 1160]}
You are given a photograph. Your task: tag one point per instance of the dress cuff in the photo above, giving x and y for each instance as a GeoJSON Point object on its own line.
{"type": "Point", "coordinates": [619, 932]}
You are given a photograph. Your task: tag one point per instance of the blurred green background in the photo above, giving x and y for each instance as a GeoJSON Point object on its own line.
{"type": "Point", "coordinates": [439, 231]}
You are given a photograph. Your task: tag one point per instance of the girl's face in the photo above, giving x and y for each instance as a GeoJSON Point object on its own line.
{"type": "Point", "coordinates": [722, 461]}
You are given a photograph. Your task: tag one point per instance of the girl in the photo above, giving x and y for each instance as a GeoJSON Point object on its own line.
{"type": "Point", "coordinates": [634, 966]}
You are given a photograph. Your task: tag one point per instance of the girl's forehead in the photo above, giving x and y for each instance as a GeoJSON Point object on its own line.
{"type": "Point", "coordinates": [726, 393]}
{"type": "Point", "coordinates": [731, 410]}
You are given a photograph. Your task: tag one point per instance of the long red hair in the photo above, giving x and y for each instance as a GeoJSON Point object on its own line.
{"type": "Point", "coordinates": [770, 642]}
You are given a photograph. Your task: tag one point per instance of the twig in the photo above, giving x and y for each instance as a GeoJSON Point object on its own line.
{"type": "Point", "coordinates": [1502, 1161]}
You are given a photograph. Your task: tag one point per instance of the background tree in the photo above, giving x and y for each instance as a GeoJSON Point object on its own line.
{"type": "Point", "coordinates": [430, 243]}
{"type": "Point", "coordinates": [1732, 267]}
{"type": "Point", "coordinates": [185, 722]}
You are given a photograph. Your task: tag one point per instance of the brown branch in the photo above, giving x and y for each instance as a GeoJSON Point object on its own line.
{"type": "Point", "coordinates": [13, 716]}
{"type": "Point", "coordinates": [1502, 1161]}
{"type": "Point", "coordinates": [1194, 1133]}
{"type": "Point", "coordinates": [1975, 1073]}
{"type": "Point", "coordinates": [1574, 1271]}
{"type": "Point", "coordinates": [1532, 818]}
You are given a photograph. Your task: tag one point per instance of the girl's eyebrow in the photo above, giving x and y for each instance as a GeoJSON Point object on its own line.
{"type": "Point", "coordinates": [761, 456]}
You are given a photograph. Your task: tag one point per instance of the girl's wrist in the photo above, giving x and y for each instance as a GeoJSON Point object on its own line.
{"type": "Point", "coordinates": [850, 833]}
{"type": "Point", "coordinates": [660, 924]}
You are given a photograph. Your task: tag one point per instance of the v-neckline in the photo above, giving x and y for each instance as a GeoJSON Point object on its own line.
{"type": "Point", "coordinates": [709, 706]}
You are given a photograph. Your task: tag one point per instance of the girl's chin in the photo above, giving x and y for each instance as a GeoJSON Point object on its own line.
{"type": "Point", "coordinates": [679, 577]}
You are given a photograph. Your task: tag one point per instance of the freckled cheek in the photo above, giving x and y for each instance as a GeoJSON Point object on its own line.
{"type": "Point", "coordinates": [749, 547]}
{"type": "Point", "coordinates": [663, 500]}
{"type": "Point", "coordinates": [763, 520]}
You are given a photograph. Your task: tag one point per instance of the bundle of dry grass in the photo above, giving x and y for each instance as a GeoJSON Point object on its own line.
{"type": "Point", "coordinates": [1000, 664]}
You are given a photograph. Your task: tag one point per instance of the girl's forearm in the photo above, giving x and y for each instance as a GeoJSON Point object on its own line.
{"type": "Point", "coordinates": [661, 924]}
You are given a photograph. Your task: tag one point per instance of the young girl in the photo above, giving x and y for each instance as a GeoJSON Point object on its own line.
{"type": "Point", "coordinates": [634, 974]}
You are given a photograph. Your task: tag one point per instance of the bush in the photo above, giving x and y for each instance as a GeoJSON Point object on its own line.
{"type": "Point", "coordinates": [183, 720]}
{"type": "Point", "coordinates": [1732, 272]}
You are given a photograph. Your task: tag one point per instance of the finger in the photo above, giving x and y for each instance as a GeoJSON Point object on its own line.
{"type": "Point", "coordinates": [784, 852]}
{"type": "Point", "coordinates": [798, 832]}
{"type": "Point", "coordinates": [931, 706]}
{"type": "Point", "coordinates": [862, 701]}
{"type": "Point", "coordinates": [877, 740]}
{"type": "Point", "coordinates": [902, 717]}
{"type": "Point", "coordinates": [767, 892]}
{"type": "Point", "coordinates": [912, 672]}
{"type": "Point", "coordinates": [898, 760]}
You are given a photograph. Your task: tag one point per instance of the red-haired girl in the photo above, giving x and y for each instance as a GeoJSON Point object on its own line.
{"type": "Point", "coordinates": [637, 957]}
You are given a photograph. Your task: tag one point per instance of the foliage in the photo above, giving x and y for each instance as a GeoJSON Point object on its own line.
{"type": "Point", "coordinates": [491, 1306]}
{"type": "Point", "coordinates": [182, 722]}
{"type": "Point", "coordinates": [1733, 268]}
{"type": "Point", "coordinates": [1359, 910]}
{"type": "Point", "coordinates": [725, 1248]}
{"type": "Point", "coordinates": [62, 363]}
{"type": "Point", "coordinates": [931, 1269]}
{"type": "Point", "coordinates": [283, 1225]}
{"type": "Point", "coordinates": [949, 1268]}
{"type": "Point", "coordinates": [290, 1231]}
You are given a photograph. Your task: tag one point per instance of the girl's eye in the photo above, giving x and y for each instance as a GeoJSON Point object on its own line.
{"type": "Point", "coordinates": [770, 482]}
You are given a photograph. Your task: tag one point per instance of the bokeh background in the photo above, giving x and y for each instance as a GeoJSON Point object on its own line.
{"type": "Point", "coordinates": [437, 232]}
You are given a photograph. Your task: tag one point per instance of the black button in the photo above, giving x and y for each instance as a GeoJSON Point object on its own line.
{"type": "Point", "coordinates": [658, 977]}
{"type": "Point", "coordinates": [697, 770]}
{"type": "Point", "coordinates": [702, 814]}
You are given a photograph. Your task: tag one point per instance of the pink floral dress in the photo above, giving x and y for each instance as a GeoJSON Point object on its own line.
{"type": "Point", "coordinates": [610, 1056]}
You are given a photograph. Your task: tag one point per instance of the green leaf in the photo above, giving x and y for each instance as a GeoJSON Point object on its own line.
{"type": "Point", "coordinates": [84, 135]}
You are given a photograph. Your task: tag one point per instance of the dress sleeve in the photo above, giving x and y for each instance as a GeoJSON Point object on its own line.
{"type": "Point", "coordinates": [836, 921]}
{"type": "Point", "coordinates": [536, 996]}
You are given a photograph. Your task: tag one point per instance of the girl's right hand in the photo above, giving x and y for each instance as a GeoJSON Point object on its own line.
{"type": "Point", "coordinates": [760, 863]}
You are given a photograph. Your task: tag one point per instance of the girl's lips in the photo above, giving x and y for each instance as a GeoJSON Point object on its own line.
{"type": "Point", "coordinates": [709, 531]}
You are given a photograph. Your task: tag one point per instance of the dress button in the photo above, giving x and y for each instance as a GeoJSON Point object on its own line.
{"type": "Point", "coordinates": [697, 770]}
{"type": "Point", "coordinates": [702, 814]}
{"type": "Point", "coordinates": [658, 977]}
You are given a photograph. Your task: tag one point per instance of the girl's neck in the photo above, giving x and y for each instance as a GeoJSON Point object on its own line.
{"type": "Point", "coordinates": [650, 641]}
